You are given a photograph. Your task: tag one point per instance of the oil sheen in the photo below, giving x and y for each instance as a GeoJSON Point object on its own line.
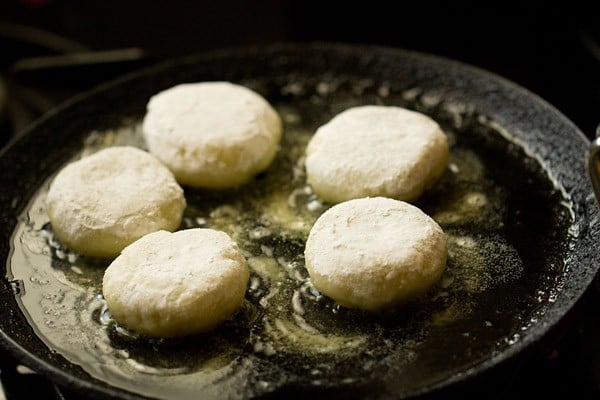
{"type": "Point", "coordinates": [491, 202]}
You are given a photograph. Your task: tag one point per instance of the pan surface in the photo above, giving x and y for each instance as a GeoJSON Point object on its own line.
{"type": "Point", "coordinates": [515, 203]}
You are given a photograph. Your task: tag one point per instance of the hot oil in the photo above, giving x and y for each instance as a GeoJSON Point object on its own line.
{"type": "Point", "coordinates": [505, 221]}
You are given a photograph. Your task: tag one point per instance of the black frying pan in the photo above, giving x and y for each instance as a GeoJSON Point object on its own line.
{"type": "Point", "coordinates": [530, 150]}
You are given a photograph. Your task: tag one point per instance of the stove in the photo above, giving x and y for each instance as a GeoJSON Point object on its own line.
{"type": "Point", "coordinates": [52, 50]}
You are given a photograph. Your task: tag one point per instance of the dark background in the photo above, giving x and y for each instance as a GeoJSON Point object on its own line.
{"type": "Point", "coordinates": [553, 50]}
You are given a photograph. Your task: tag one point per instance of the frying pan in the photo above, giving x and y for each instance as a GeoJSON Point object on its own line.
{"type": "Point", "coordinates": [537, 154]}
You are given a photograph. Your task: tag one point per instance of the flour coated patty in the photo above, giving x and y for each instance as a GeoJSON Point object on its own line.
{"type": "Point", "coordinates": [375, 253]}
{"type": "Point", "coordinates": [212, 134]}
{"type": "Point", "coordinates": [376, 151]}
{"type": "Point", "coordinates": [103, 202]}
{"type": "Point", "coordinates": [173, 284]}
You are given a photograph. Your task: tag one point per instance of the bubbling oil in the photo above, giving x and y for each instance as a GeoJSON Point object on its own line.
{"type": "Point", "coordinates": [286, 332]}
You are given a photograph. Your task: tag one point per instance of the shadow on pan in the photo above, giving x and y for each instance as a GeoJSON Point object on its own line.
{"type": "Point", "coordinates": [516, 205]}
